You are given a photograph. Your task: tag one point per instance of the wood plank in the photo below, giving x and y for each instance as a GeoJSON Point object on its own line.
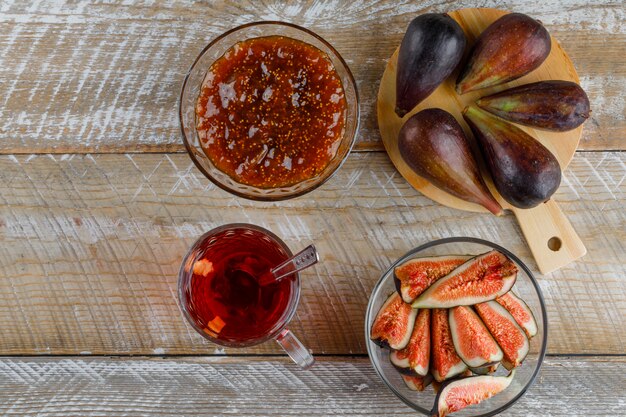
{"type": "Point", "coordinates": [48, 387]}
{"type": "Point", "coordinates": [90, 248]}
{"type": "Point", "coordinates": [83, 76]}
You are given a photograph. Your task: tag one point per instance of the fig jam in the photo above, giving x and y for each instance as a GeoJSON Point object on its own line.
{"type": "Point", "coordinates": [271, 112]}
{"type": "Point", "coordinates": [224, 297]}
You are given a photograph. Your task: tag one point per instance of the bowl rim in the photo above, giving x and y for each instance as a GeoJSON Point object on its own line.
{"type": "Point", "coordinates": [313, 186]}
{"type": "Point", "coordinates": [461, 239]}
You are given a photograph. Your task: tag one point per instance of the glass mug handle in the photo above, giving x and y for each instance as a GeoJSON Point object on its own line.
{"type": "Point", "coordinates": [295, 349]}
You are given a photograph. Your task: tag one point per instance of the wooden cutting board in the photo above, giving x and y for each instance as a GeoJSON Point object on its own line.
{"type": "Point", "coordinates": [550, 236]}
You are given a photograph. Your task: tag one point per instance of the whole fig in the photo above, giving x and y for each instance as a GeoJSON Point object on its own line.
{"type": "Point", "coordinates": [508, 49]}
{"type": "Point", "coordinates": [551, 105]}
{"type": "Point", "coordinates": [433, 144]}
{"type": "Point", "coordinates": [524, 171]}
{"type": "Point", "coordinates": [430, 50]}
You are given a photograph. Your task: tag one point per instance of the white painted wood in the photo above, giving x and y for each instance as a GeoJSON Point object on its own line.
{"type": "Point", "coordinates": [90, 245]}
{"type": "Point", "coordinates": [90, 248]}
{"type": "Point", "coordinates": [79, 76]}
{"type": "Point", "coordinates": [64, 387]}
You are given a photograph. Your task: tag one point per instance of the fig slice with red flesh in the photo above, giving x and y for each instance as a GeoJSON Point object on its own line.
{"type": "Point", "coordinates": [414, 276]}
{"type": "Point", "coordinates": [509, 335]}
{"type": "Point", "coordinates": [520, 312]}
{"type": "Point", "coordinates": [415, 357]}
{"type": "Point", "coordinates": [480, 279]}
{"type": "Point", "coordinates": [458, 394]}
{"type": "Point", "coordinates": [472, 341]}
{"type": "Point", "coordinates": [445, 362]}
{"type": "Point", "coordinates": [394, 323]}
{"type": "Point", "coordinates": [417, 382]}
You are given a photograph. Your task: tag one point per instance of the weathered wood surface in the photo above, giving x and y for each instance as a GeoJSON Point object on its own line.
{"type": "Point", "coordinates": [48, 387]}
{"type": "Point", "coordinates": [90, 247]}
{"type": "Point", "coordinates": [82, 76]}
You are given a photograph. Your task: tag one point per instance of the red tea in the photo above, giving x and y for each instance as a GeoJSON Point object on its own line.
{"type": "Point", "coordinates": [224, 297]}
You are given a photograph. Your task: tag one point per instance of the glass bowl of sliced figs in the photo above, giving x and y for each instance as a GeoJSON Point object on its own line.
{"type": "Point", "coordinates": [457, 326]}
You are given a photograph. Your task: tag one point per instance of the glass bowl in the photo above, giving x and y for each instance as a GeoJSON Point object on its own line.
{"type": "Point", "coordinates": [191, 90]}
{"type": "Point", "coordinates": [526, 287]}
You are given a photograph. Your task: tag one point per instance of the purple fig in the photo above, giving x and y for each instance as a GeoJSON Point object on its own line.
{"type": "Point", "coordinates": [431, 49]}
{"type": "Point", "coordinates": [524, 171]}
{"type": "Point", "coordinates": [433, 144]}
{"type": "Point", "coordinates": [551, 105]}
{"type": "Point", "coordinates": [509, 48]}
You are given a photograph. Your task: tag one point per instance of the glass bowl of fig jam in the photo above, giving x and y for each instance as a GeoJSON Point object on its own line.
{"type": "Point", "coordinates": [269, 111]}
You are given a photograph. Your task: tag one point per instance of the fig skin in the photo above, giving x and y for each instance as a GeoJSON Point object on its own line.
{"type": "Point", "coordinates": [431, 49]}
{"type": "Point", "coordinates": [508, 49]}
{"type": "Point", "coordinates": [524, 171]}
{"type": "Point", "coordinates": [433, 144]}
{"type": "Point", "coordinates": [551, 105]}
{"type": "Point", "coordinates": [460, 393]}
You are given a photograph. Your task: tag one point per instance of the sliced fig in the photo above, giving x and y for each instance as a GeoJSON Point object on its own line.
{"type": "Point", "coordinates": [394, 323]}
{"type": "Point", "coordinates": [480, 279]}
{"type": "Point", "coordinates": [417, 382]}
{"type": "Point", "coordinates": [458, 394]}
{"type": "Point", "coordinates": [509, 335]}
{"type": "Point", "coordinates": [520, 312]}
{"type": "Point", "coordinates": [437, 384]}
{"type": "Point", "coordinates": [414, 276]}
{"type": "Point", "coordinates": [485, 370]}
{"type": "Point", "coordinates": [445, 362]}
{"type": "Point", "coordinates": [472, 341]}
{"type": "Point", "coordinates": [416, 355]}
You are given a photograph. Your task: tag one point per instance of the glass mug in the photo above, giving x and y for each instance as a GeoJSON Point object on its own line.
{"type": "Point", "coordinates": [220, 295]}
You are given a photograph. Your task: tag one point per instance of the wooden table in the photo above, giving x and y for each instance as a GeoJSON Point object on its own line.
{"type": "Point", "coordinates": [99, 202]}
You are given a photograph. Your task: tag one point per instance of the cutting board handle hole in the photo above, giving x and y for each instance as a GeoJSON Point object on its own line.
{"type": "Point", "coordinates": [555, 244]}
